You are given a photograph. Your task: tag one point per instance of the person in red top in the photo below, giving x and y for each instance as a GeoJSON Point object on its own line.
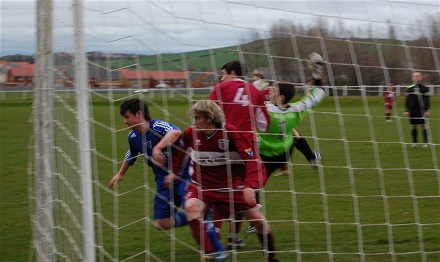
{"type": "Point", "coordinates": [242, 102]}
{"type": "Point", "coordinates": [244, 108]}
{"type": "Point", "coordinates": [390, 101]}
{"type": "Point", "coordinates": [226, 172]}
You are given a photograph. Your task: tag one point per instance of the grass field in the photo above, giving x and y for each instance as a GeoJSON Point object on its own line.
{"type": "Point", "coordinates": [374, 198]}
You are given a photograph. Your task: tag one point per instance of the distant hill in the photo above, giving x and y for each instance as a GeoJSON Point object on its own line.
{"type": "Point", "coordinates": [18, 58]}
{"type": "Point", "coordinates": [280, 59]}
{"type": "Point", "coordinates": [281, 56]}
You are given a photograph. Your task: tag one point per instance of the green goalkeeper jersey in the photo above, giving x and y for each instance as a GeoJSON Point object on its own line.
{"type": "Point", "coordinates": [278, 138]}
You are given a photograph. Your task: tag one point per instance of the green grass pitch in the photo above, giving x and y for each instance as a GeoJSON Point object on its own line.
{"type": "Point", "coordinates": [374, 198]}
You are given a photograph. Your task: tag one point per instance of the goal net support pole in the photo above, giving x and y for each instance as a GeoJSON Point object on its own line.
{"type": "Point", "coordinates": [82, 95]}
{"type": "Point", "coordinates": [43, 219]}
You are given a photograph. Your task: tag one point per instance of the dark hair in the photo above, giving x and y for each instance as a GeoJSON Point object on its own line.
{"type": "Point", "coordinates": [259, 75]}
{"type": "Point", "coordinates": [236, 66]}
{"type": "Point", "coordinates": [134, 105]}
{"type": "Point", "coordinates": [287, 90]}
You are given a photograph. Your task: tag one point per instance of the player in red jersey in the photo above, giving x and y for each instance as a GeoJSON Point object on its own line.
{"type": "Point", "coordinates": [244, 108]}
{"type": "Point", "coordinates": [390, 101]}
{"type": "Point", "coordinates": [242, 102]}
{"type": "Point", "coordinates": [226, 172]}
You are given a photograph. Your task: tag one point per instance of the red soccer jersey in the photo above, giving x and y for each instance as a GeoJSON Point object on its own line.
{"type": "Point", "coordinates": [389, 98]}
{"type": "Point", "coordinates": [243, 105]}
{"type": "Point", "coordinates": [226, 159]}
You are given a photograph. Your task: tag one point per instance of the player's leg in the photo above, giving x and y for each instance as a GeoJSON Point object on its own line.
{"type": "Point", "coordinates": [388, 110]}
{"type": "Point", "coordinates": [194, 210]}
{"type": "Point", "coordinates": [203, 233]}
{"type": "Point", "coordinates": [264, 232]}
{"type": "Point", "coordinates": [179, 200]}
{"type": "Point", "coordinates": [425, 134]}
{"type": "Point", "coordinates": [300, 143]}
{"type": "Point", "coordinates": [234, 241]}
{"type": "Point", "coordinates": [414, 133]}
{"type": "Point", "coordinates": [213, 230]}
{"type": "Point", "coordinates": [166, 214]}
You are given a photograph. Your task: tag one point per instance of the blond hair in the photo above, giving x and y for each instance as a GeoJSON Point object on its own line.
{"type": "Point", "coordinates": [209, 110]}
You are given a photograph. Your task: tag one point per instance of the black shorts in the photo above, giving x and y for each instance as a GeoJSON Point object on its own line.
{"type": "Point", "coordinates": [417, 120]}
{"type": "Point", "coordinates": [272, 163]}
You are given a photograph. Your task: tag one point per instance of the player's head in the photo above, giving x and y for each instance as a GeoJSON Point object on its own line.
{"type": "Point", "coordinates": [391, 85]}
{"type": "Point", "coordinates": [257, 76]}
{"type": "Point", "coordinates": [282, 93]}
{"type": "Point", "coordinates": [258, 81]}
{"type": "Point", "coordinates": [233, 69]}
{"type": "Point", "coordinates": [210, 112]}
{"type": "Point", "coordinates": [134, 105]}
{"type": "Point", "coordinates": [417, 77]}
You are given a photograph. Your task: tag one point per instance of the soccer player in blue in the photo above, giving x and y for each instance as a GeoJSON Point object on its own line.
{"type": "Point", "coordinates": [155, 140]}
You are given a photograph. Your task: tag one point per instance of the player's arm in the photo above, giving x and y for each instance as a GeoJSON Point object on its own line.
{"type": "Point", "coordinates": [407, 102]}
{"type": "Point", "coordinates": [129, 160]}
{"type": "Point", "coordinates": [316, 95]}
{"type": "Point", "coordinates": [255, 171]}
{"type": "Point", "coordinates": [167, 140]}
{"type": "Point", "coordinates": [262, 118]}
{"type": "Point", "coordinates": [120, 175]}
{"type": "Point", "coordinates": [256, 175]}
{"type": "Point", "coordinates": [315, 64]}
{"type": "Point", "coordinates": [427, 103]}
{"type": "Point", "coordinates": [179, 156]}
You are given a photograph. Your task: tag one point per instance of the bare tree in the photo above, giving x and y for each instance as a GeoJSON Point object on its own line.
{"type": "Point", "coordinates": [391, 30]}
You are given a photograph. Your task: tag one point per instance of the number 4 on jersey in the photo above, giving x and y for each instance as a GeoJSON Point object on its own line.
{"type": "Point", "coordinates": [240, 98]}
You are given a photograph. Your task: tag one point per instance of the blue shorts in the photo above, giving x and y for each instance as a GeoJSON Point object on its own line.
{"type": "Point", "coordinates": [164, 205]}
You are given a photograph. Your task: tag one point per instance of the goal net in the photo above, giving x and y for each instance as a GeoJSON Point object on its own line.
{"type": "Point", "coordinates": [373, 197]}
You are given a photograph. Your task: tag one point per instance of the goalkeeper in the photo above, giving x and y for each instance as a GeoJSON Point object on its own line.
{"type": "Point", "coordinates": [300, 143]}
{"type": "Point", "coordinates": [277, 143]}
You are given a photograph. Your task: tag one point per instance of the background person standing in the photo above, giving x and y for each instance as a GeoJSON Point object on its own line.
{"type": "Point", "coordinates": [417, 108]}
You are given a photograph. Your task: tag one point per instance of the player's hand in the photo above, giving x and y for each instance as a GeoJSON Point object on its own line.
{"type": "Point", "coordinates": [158, 156]}
{"type": "Point", "coordinates": [169, 180]}
{"type": "Point", "coordinates": [116, 178]}
{"type": "Point", "coordinates": [427, 114]}
{"type": "Point", "coordinates": [249, 195]}
{"type": "Point", "coordinates": [406, 113]}
{"type": "Point", "coordinates": [315, 63]}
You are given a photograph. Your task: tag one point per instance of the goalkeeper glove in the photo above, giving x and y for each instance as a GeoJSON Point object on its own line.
{"type": "Point", "coordinates": [315, 64]}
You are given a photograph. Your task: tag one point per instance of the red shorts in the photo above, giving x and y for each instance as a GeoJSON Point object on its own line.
{"type": "Point", "coordinates": [221, 201]}
{"type": "Point", "coordinates": [389, 107]}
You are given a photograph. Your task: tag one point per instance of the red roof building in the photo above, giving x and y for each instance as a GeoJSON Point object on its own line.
{"type": "Point", "coordinates": [20, 73]}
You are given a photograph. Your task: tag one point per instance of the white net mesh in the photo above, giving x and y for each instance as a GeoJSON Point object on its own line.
{"type": "Point", "coordinates": [373, 198]}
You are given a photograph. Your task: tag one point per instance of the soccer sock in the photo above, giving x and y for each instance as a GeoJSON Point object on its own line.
{"type": "Point", "coordinates": [180, 219]}
{"type": "Point", "coordinates": [237, 225]}
{"type": "Point", "coordinates": [213, 237]}
{"type": "Point", "coordinates": [270, 244]}
{"type": "Point", "coordinates": [388, 115]}
{"type": "Point", "coordinates": [425, 135]}
{"type": "Point", "coordinates": [218, 223]}
{"type": "Point", "coordinates": [414, 134]}
{"type": "Point", "coordinates": [302, 145]}
{"type": "Point", "coordinates": [257, 197]}
{"type": "Point", "coordinates": [200, 237]}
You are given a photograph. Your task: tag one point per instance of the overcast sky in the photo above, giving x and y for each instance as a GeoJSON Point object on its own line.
{"type": "Point", "coordinates": [157, 26]}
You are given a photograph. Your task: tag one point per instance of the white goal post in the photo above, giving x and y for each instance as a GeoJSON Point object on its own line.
{"type": "Point", "coordinates": [372, 198]}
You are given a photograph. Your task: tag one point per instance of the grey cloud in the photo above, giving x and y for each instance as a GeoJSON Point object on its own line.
{"type": "Point", "coordinates": [167, 26]}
